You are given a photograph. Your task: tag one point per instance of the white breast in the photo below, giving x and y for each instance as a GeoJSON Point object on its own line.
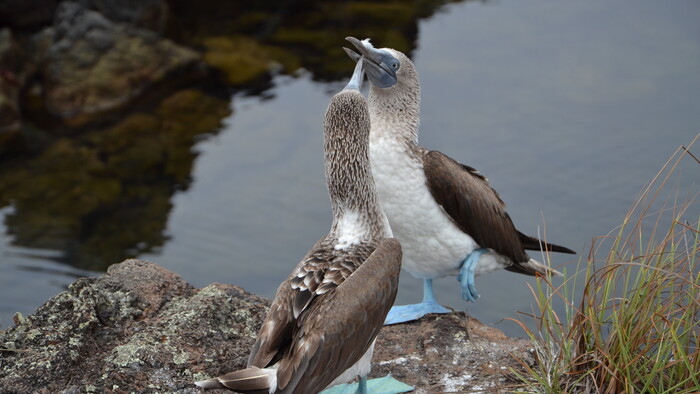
{"type": "Point", "coordinates": [433, 246]}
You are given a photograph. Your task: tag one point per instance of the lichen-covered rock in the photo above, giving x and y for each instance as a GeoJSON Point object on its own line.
{"type": "Point", "coordinates": [96, 65]}
{"type": "Point", "coordinates": [450, 353]}
{"type": "Point", "coordinates": [138, 328]}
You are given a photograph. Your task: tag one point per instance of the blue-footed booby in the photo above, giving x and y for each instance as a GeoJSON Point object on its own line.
{"type": "Point", "coordinates": [448, 218]}
{"type": "Point", "coordinates": [321, 327]}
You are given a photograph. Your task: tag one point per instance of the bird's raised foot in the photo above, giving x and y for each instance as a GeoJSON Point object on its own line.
{"type": "Point", "coordinates": [404, 313]}
{"type": "Point", "coordinates": [385, 385]}
{"type": "Point", "coordinates": [466, 275]}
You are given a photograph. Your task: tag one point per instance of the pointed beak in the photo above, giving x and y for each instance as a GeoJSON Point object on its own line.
{"type": "Point", "coordinates": [353, 55]}
{"type": "Point", "coordinates": [379, 65]}
{"type": "Point", "coordinates": [357, 78]}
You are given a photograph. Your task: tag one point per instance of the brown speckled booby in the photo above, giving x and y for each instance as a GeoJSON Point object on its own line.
{"type": "Point", "coordinates": [321, 326]}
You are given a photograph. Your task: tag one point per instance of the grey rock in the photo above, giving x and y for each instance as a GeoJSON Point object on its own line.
{"type": "Point", "coordinates": [96, 65]}
{"type": "Point", "coordinates": [147, 14]}
{"type": "Point", "coordinates": [137, 328]}
{"type": "Point", "coordinates": [73, 22]}
{"type": "Point", "coordinates": [451, 353]}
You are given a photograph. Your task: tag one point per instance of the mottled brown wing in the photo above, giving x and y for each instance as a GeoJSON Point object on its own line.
{"type": "Point", "coordinates": [474, 206]}
{"type": "Point", "coordinates": [338, 327]}
{"type": "Point", "coordinates": [321, 271]}
{"type": "Point", "coordinates": [276, 331]}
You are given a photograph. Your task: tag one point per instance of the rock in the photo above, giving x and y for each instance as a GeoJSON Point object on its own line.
{"type": "Point", "coordinates": [96, 65]}
{"type": "Point", "coordinates": [146, 14]}
{"type": "Point", "coordinates": [141, 328]}
{"type": "Point", "coordinates": [137, 328]}
{"type": "Point", "coordinates": [450, 353]}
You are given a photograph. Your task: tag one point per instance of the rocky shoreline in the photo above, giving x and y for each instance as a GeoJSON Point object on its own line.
{"type": "Point", "coordinates": [141, 328]}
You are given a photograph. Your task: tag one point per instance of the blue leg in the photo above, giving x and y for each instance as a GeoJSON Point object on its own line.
{"type": "Point", "coordinates": [466, 275]}
{"type": "Point", "coordinates": [362, 385]}
{"type": "Point", "coordinates": [404, 313]}
{"type": "Point", "coordinates": [385, 385]}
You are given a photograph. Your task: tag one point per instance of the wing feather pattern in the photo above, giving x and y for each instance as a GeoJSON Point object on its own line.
{"type": "Point", "coordinates": [474, 206]}
{"type": "Point", "coordinates": [311, 346]}
{"type": "Point", "coordinates": [477, 209]}
{"type": "Point", "coordinates": [363, 299]}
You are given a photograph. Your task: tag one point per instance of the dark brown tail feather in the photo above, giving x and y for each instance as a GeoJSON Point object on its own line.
{"type": "Point", "coordinates": [532, 243]}
{"type": "Point", "coordinates": [251, 380]}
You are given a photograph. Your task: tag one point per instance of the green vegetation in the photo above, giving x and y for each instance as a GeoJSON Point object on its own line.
{"type": "Point", "coordinates": [244, 60]}
{"type": "Point", "coordinates": [636, 326]}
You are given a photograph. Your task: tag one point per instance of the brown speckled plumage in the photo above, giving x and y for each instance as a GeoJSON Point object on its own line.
{"type": "Point", "coordinates": [326, 315]}
{"type": "Point", "coordinates": [350, 182]}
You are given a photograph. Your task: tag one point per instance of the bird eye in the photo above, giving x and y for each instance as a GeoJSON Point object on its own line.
{"type": "Point", "coordinates": [395, 66]}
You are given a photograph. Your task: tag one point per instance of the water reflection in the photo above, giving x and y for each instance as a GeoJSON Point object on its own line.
{"type": "Point", "coordinates": [242, 39]}
{"type": "Point", "coordinates": [98, 194]}
{"type": "Point", "coordinates": [103, 195]}
{"type": "Point", "coordinates": [568, 109]}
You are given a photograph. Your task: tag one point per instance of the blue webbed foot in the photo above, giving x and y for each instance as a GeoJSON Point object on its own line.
{"type": "Point", "coordinates": [385, 385]}
{"type": "Point", "coordinates": [404, 313]}
{"type": "Point", "coordinates": [466, 275]}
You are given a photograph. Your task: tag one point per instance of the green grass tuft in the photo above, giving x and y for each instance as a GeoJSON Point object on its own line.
{"type": "Point", "coordinates": [636, 326]}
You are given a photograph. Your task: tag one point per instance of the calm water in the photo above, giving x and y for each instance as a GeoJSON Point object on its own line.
{"type": "Point", "coordinates": [568, 107]}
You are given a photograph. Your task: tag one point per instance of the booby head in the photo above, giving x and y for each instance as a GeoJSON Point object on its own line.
{"type": "Point", "coordinates": [394, 95]}
{"type": "Point", "coordinates": [381, 65]}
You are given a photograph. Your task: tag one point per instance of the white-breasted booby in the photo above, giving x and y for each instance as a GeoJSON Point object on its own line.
{"type": "Point", "coordinates": [321, 326]}
{"type": "Point", "coordinates": [448, 218]}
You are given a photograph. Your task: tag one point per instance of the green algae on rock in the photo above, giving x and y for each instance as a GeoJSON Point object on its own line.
{"type": "Point", "coordinates": [244, 60]}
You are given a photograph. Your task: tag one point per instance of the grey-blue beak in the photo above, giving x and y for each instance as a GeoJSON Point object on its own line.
{"type": "Point", "coordinates": [357, 77]}
{"type": "Point", "coordinates": [379, 65]}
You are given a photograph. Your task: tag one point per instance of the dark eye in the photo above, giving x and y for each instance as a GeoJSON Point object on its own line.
{"type": "Point", "coordinates": [395, 66]}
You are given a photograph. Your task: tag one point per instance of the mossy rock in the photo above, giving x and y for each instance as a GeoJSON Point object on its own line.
{"type": "Point", "coordinates": [243, 60]}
